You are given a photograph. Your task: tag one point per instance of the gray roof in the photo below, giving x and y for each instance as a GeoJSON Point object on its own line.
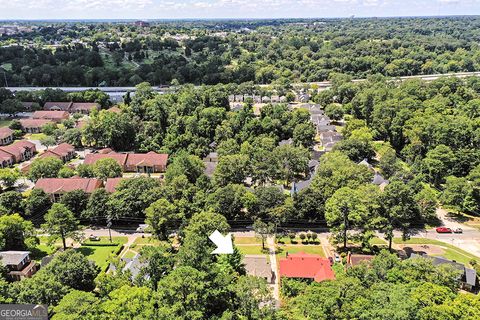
{"type": "Point", "coordinates": [286, 142]}
{"type": "Point", "coordinates": [378, 179]}
{"type": "Point", "coordinates": [13, 258]}
{"type": "Point", "coordinates": [365, 163]}
{"type": "Point", "coordinates": [326, 127]}
{"type": "Point", "coordinates": [470, 276]}
{"type": "Point", "coordinates": [210, 168]}
{"type": "Point", "coordinates": [258, 266]}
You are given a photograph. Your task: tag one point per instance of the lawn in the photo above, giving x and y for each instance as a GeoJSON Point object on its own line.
{"type": "Point", "coordinates": [378, 241]}
{"type": "Point", "coordinates": [311, 249]}
{"type": "Point", "coordinates": [129, 254]}
{"type": "Point", "coordinates": [247, 240]}
{"type": "Point", "coordinates": [147, 241]}
{"type": "Point", "coordinates": [451, 252]}
{"type": "Point", "coordinates": [102, 251]}
{"type": "Point", "coordinates": [251, 249]}
{"type": "Point", "coordinates": [35, 136]}
{"type": "Point", "coordinates": [99, 254]}
{"type": "Point", "coordinates": [5, 123]}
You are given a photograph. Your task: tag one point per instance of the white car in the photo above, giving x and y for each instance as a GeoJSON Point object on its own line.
{"type": "Point", "coordinates": [142, 227]}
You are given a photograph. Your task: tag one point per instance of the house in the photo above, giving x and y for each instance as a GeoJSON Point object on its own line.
{"type": "Point", "coordinates": [111, 184]}
{"type": "Point", "coordinates": [266, 99]}
{"type": "Point", "coordinates": [33, 125]}
{"type": "Point", "coordinates": [18, 264]}
{"type": "Point", "coordinates": [356, 259]}
{"type": "Point", "coordinates": [467, 277]}
{"type": "Point", "coordinates": [64, 152]}
{"type": "Point", "coordinates": [83, 107]}
{"type": "Point", "coordinates": [55, 116]}
{"type": "Point", "coordinates": [22, 150]}
{"type": "Point", "coordinates": [150, 162]}
{"type": "Point", "coordinates": [259, 266]}
{"type": "Point", "coordinates": [211, 163]}
{"type": "Point", "coordinates": [303, 97]}
{"type": "Point", "coordinates": [133, 265]}
{"type": "Point", "coordinates": [380, 181]}
{"type": "Point", "coordinates": [57, 187]}
{"type": "Point", "coordinates": [288, 142]}
{"type": "Point", "coordinates": [328, 139]}
{"type": "Point", "coordinates": [231, 98]}
{"type": "Point", "coordinates": [325, 128]}
{"type": "Point", "coordinates": [57, 106]}
{"type": "Point", "coordinates": [6, 136]}
{"type": "Point", "coordinates": [306, 266]}
{"type": "Point", "coordinates": [6, 159]}
{"type": "Point", "coordinates": [120, 158]}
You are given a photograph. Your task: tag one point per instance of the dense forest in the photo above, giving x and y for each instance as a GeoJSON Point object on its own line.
{"type": "Point", "coordinates": [263, 52]}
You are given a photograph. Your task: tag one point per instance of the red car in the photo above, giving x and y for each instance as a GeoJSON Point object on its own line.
{"type": "Point", "coordinates": [443, 230]}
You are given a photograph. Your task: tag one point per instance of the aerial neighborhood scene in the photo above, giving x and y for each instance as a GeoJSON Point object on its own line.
{"type": "Point", "coordinates": [240, 160]}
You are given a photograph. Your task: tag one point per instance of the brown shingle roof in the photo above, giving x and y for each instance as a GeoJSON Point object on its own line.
{"type": "Point", "coordinates": [147, 159]}
{"type": "Point", "coordinates": [18, 148]}
{"type": "Point", "coordinates": [114, 109]}
{"type": "Point", "coordinates": [5, 156]}
{"type": "Point", "coordinates": [52, 115]}
{"type": "Point", "coordinates": [62, 185]}
{"type": "Point", "coordinates": [5, 132]}
{"type": "Point", "coordinates": [121, 158]}
{"type": "Point", "coordinates": [112, 183]}
{"type": "Point", "coordinates": [65, 106]}
{"type": "Point", "coordinates": [33, 123]}
{"type": "Point", "coordinates": [59, 151]}
{"type": "Point", "coordinates": [78, 106]}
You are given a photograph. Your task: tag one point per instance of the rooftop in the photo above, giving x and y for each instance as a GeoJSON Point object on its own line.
{"type": "Point", "coordinates": [13, 258]}
{"type": "Point", "coordinates": [306, 266]}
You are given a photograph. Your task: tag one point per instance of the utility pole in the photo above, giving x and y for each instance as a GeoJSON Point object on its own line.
{"type": "Point", "coordinates": [109, 225]}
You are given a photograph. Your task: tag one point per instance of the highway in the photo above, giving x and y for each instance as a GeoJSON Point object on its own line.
{"type": "Point", "coordinates": [163, 89]}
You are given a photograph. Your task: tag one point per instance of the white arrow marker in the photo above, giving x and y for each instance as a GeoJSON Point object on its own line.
{"type": "Point", "coordinates": [224, 244]}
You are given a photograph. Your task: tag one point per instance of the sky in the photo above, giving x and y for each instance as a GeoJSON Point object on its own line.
{"type": "Point", "coordinates": [206, 9]}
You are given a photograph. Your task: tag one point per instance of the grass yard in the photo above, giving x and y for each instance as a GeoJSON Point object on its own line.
{"type": "Point", "coordinates": [5, 123]}
{"type": "Point", "coordinates": [102, 251]}
{"type": "Point", "coordinates": [378, 241]}
{"type": "Point", "coordinates": [99, 254]}
{"type": "Point", "coordinates": [35, 136]}
{"type": "Point", "coordinates": [129, 254]}
{"type": "Point", "coordinates": [251, 249]}
{"type": "Point", "coordinates": [148, 241]}
{"type": "Point", "coordinates": [311, 249]}
{"type": "Point", "coordinates": [247, 240]}
{"type": "Point", "coordinates": [451, 252]}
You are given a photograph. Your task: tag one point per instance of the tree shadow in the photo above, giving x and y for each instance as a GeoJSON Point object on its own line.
{"type": "Point", "coordinates": [86, 251]}
{"type": "Point", "coordinates": [457, 217]}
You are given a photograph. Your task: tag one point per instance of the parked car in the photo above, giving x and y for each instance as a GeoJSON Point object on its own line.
{"type": "Point", "coordinates": [142, 227]}
{"type": "Point", "coordinates": [93, 238]}
{"type": "Point", "coordinates": [337, 258]}
{"type": "Point", "coordinates": [458, 230]}
{"type": "Point", "coordinates": [443, 230]}
{"type": "Point", "coordinates": [331, 260]}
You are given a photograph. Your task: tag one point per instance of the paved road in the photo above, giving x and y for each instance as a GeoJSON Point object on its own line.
{"type": "Point", "coordinates": [163, 89]}
{"type": "Point", "coordinates": [273, 262]}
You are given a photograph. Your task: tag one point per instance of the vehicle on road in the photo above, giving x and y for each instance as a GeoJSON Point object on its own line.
{"type": "Point", "coordinates": [142, 227]}
{"type": "Point", "coordinates": [337, 258]}
{"type": "Point", "coordinates": [93, 238]}
{"type": "Point", "coordinates": [458, 230]}
{"type": "Point", "coordinates": [443, 230]}
{"type": "Point", "coordinates": [331, 260]}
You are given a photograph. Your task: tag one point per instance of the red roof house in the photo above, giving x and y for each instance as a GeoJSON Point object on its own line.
{"type": "Point", "coordinates": [83, 107]}
{"type": "Point", "coordinates": [6, 135]}
{"type": "Point", "coordinates": [306, 266]}
{"type": "Point", "coordinates": [56, 187]}
{"type": "Point", "coordinates": [33, 125]}
{"type": "Point", "coordinates": [6, 159]}
{"type": "Point", "coordinates": [21, 150]}
{"type": "Point", "coordinates": [151, 162]}
{"type": "Point", "coordinates": [63, 151]}
{"type": "Point", "coordinates": [58, 106]}
{"type": "Point", "coordinates": [121, 158]}
{"type": "Point", "coordinates": [112, 183]}
{"type": "Point", "coordinates": [56, 116]}
{"type": "Point", "coordinates": [147, 162]}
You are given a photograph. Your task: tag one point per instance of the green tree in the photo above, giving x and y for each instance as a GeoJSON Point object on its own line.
{"type": "Point", "coordinates": [73, 269]}
{"type": "Point", "coordinates": [16, 233]}
{"type": "Point", "coordinates": [12, 202]}
{"type": "Point", "coordinates": [129, 303]}
{"type": "Point", "coordinates": [60, 223]}
{"type": "Point", "coordinates": [77, 305]}
{"type": "Point", "coordinates": [76, 201]}
{"type": "Point", "coordinates": [47, 167]}
{"type": "Point", "coordinates": [9, 176]}
{"type": "Point", "coordinates": [161, 215]}
{"type": "Point", "coordinates": [345, 211]}
{"type": "Point", "coordinates": [231, 169]}
{"type": "Point", "coordinates": [97, 205]}
{"type": "Point", "coordinates": [37, 203]}
{"type": "Point", "coordinates": [263, 230]}
{"type": "Point", "coordinates": [48, 141]}
{"type": "Point", "coordinates": [107, 168]}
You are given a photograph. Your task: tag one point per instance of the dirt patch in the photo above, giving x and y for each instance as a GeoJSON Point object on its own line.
{"type": "Point", "coordinates": [429, 249]}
